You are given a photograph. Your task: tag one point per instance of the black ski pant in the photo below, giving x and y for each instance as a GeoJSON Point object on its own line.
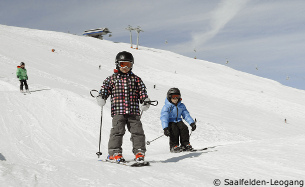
{"type": "Point", "coordinates": [178, 130]}
{"type": "Point", "coordinates": [25, 84]}
{"type": "Point", "coordinates": [117, 132]}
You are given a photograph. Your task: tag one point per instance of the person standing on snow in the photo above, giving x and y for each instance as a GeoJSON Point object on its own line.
{"type": "Point", "coordinates": [126, 90]}
{"type": "Point", "coordinates": [172, 123]}
{"type": "Point", "coordinates": [23, 77]}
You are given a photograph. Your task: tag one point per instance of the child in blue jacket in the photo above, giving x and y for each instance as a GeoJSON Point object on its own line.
{"type": "Point", "coordinates": [172, 123]}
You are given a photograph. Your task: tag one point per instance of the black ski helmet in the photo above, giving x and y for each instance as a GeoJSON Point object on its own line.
{"type": "Point", "coordinates": [22, 63]}
{"type": "Point", "coordinates": [123, 56]}
{"type": "Point", "coordinates": [172, 91]}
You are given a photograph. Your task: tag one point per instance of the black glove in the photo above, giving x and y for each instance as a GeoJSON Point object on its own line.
{"type": "Point", "coordinates": [193, 125]}
{"type": "Point", "coordinates": [17, 76]}
{"type": "Point", "coordinates": [166, 131]}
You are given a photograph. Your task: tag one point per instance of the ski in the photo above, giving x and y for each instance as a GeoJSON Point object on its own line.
{"type": "Point", "coordinates": [39, 90]}
{"type": "Point", "coordinates": [26, 92]}
{"type": "Point", "coordinates": [114, 162]}
{"type": "Point", "coordinates": [128, 163]}
{"type": "Point", "coordinates": [202, 149]}
{"type": "Point", "coordinates": [140, 164]}
{"type": "Point", "coordinates": [192, 150]}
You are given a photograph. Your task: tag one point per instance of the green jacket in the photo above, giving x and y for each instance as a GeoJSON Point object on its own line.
{"type": "Point", "coordinates": [21, 74]}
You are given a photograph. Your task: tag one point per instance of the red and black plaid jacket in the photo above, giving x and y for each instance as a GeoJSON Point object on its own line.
{"type": "Point", "coordinates": [126, 90]}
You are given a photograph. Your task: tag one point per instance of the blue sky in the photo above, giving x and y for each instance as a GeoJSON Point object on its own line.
{"type": "Point", "coordinates": [261, 37]}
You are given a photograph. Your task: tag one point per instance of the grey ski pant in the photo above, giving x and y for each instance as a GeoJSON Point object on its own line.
{"type": "Point", "coordinates": [117, 132]}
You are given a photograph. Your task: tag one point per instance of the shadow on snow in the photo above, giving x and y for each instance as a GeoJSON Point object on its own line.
{"type": "Point", "coordinates": [2, 158]}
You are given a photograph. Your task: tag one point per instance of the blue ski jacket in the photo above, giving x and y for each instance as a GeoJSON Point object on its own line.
{"type": "Point", "coordinates": [173, 113]}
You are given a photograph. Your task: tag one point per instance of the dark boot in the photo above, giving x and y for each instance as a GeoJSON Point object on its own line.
{"type": "Point", "coordinates": [175, 149]}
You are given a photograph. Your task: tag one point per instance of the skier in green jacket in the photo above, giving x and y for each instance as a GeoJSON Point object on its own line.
{"type": "Point", "coordinates": [23, 77]}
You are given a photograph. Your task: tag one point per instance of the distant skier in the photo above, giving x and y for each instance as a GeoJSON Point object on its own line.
{"type": "Point", "coordinates": [126, 90]}
{"type": "Point", "coordinates": [172, 123]}
{"type": "Point", "coordinates": [23, 77]}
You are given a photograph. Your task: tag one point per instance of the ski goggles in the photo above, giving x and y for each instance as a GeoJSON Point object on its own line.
{"type": "Point", "coordinates": [125, 64]}
{"type": "Point", "coordinates": [175, 96]}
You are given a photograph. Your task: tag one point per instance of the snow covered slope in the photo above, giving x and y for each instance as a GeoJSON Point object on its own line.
{"type": "Point", "coordinates": [50, 137]}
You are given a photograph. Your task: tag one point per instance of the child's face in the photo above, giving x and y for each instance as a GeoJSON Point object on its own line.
{"type": "Point", "coordinates": [125, 70]}
{"type": "Point", "coordinates": [175, 100]}
{"type": "Point", "coordinates": [125, 66]}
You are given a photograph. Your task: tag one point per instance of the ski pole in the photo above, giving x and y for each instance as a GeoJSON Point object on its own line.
{"type": "Point", "coordinates": [93, 94]}
{"type": "Point", "coordinates": [148, 142]}
{"type": "Point", "coordinates": [99, 153]}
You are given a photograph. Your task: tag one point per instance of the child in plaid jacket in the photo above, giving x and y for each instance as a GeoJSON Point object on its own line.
{"type": "Point", "coordinates": [126, 91]}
